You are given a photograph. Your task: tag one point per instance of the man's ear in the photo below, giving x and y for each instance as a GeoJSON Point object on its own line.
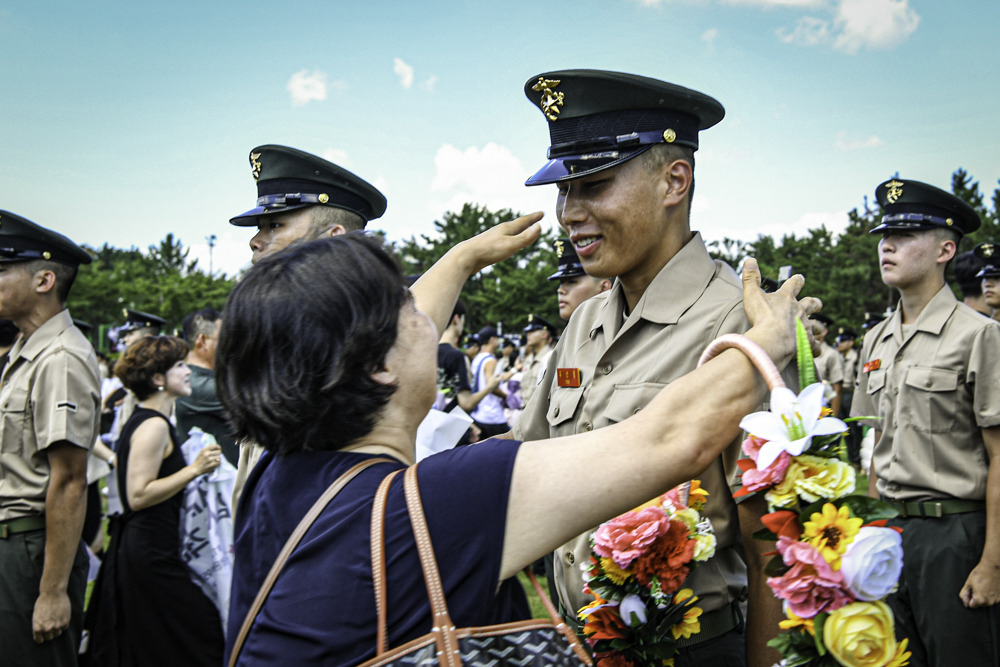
{"type": "Point", "coordinates": [45, 281]}
{"type": "Point", "coordinates": [947, 251]}
{"type": "Point", "coordinates": [384, 377]}
{"type": "Point", "coordinates": [677, 177]}
{"type": "Point", "coordinates": [335, 230]}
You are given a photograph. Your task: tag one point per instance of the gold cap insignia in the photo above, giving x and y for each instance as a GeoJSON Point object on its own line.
{"type": "Point", "coordinates": [949, 222]}
{"type": "Point", "coordinates": [531, 318]}
{"type": "Point", "coordinates": [551, 100]}
{"type": "Point", "coordinates": [669, 135]}
{"type": "Point", "coordinates": [323, 198]}
{"type": "Point", "coordinates": [987, 250]}
{"type": "Point", "coordinates": [255, 165]}
{"type": "Point", "coordinates": [560, 249]}
{"type": "Point", "coordinates": [895, 191]}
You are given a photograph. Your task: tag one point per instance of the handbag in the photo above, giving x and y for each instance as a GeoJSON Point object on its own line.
{"type": "Point", "coordinates": [535, 642]}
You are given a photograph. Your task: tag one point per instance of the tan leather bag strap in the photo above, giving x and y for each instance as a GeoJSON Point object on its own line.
{"type": "Point", "coordinates": [378, 562]}
{"type": "Point", "coordinates": [447, 638]}
{"type": "Point", "coordinates": [286, 551]}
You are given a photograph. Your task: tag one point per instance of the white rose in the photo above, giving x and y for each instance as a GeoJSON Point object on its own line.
{"type": "Point", "coordinates": [872, 563]}
{"type": "Point", "coordinates": [632, 610]}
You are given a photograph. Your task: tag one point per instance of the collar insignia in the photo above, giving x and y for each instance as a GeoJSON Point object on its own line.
{"type": "Point", "coordinates": [551, 100]}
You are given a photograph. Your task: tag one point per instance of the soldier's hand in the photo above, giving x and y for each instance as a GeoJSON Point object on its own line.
{"type": "Point", "coordinates": [500, 242]}
{"type": "Point", "coordinates": [982, 587]}
{"type": "Point", "coordinates": [775, 314]}
{"type": "Point", "coordinates": [51, 616]}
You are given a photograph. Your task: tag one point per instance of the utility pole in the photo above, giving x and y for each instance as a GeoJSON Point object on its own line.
{"type": "Point", "coordinates": [211, 244]}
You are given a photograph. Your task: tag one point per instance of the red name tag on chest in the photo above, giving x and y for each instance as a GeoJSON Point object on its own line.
{"type": "Point", "coordinates": [568, 377]}
{"type": "Point", "coordinates": [873, 365]}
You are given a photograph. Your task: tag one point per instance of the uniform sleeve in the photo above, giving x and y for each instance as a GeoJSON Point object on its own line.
{"type": "Point", "coordinates": [533, 423]}
{"type": "Point", "coordinates": [863, 403]}
{"type": "Point", "coordinates": [984, 375]}
{"type": "Point", "coordinates": [65, 401]}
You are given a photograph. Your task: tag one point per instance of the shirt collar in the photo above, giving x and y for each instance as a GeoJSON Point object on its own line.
{"type": "Point", "coordinates": [43, 335]}
{"type": "Point", "coordinates": [932, 318]}
{"type": "Point", "coordinates": [678, 285]}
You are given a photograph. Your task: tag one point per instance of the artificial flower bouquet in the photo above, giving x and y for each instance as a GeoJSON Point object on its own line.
{"type": "Point", "coordinates": [639, 561]}
{"type": "Point", "coordinates": [836, 561]}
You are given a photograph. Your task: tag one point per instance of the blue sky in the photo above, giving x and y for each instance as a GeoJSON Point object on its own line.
{"type": "Point", "coordinates": [121, 122]}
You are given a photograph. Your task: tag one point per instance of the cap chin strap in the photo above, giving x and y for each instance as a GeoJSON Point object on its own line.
{"type": "Point", "coordinates": [917, 218]}
{"type": "Point", "coordinates": [291, 199]}
{"type": "Point", "coordinates": [608, 146]}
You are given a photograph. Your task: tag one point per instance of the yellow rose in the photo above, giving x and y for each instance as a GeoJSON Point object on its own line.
{"type": "Point", "coordinates": [785, 493]}
{"type": "Point", "coordinates": [861, 634]}
{"type": "Point", "coordinates": [824, 478]}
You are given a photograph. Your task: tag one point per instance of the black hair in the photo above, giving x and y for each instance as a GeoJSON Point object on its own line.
{"type": "Point", "coordinates": [304, 331]}
{"type": "Point", "coordinates": [458, 310]}
{"type": "Point", "coordinates": [200, 322]}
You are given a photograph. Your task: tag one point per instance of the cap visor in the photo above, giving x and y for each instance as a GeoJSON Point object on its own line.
{"type": "Point", "coordinates": [577, 166]}
{"type": "Point", "coordinates": [249, 219]}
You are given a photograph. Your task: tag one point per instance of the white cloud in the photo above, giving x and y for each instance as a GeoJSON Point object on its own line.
{"type": "Point", "coordinates": [403, 71]}
{"type": "Point", "coordinates": [878, 24]}
{"type": "Point", "coordinates": [306, 86]}
{"type": "Point", "coordinates": [428, 85]}
{"type": "Point", "coordinates": [808, 31]}
{"type": "Point", "coordinates": [709, 36]}
{"type": "Point", "coordinates": [844, 144]}
{"type": "Point", "coordinates": [337, 156]}
{"type": "Point", "coordinates": [490, 176]}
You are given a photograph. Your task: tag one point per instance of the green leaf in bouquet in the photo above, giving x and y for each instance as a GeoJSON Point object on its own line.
{"type": "Point", "coordinates": [804, 356]}
{"type": "Point", "coordinates": [869, 509]}
{"type": "Point", "coordinates": [775, 567]}
{"type": "Point", "coordinates": [765, 535]}
{"type": "Point", "coordinates": [819, 622]}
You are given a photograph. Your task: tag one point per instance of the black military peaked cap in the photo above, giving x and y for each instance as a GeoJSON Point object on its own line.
{"type": "Point", "coordinates": [599, 119]}
{"type": "Point", "coordinates": [989, 255]}
{"type": "Point", "coordinates": [568, 260]}
{"type": "Point", "coordinates": [22, 240]}
{"type": "Point", "coordinates": [915, 205]}
{"type": "Point", "coordinates": [135, 319]}
{"type": "Point", "coordinates": [535, 323]}
{"type": "Point", "coordinates": [290, 179]}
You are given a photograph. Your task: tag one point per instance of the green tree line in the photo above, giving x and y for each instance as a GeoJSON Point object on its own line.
{"type": "Point", "coordinates": [841, 269]}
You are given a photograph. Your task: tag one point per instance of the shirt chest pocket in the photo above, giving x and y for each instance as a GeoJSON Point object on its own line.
{"type": "Point", "coordinates": [14, 421]}
{"type": "Point", "coordinates": [562, 408]}
{"type": "Point", "coordinates": [929, 398]}
{"type": "Point", "coordinates": [629, 399]}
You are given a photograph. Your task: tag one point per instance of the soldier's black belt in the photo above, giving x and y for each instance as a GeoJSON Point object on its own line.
{"type": "Point", "coordinates": [25, 524]}
{"type": "Point", "coordinates": [937, 508]}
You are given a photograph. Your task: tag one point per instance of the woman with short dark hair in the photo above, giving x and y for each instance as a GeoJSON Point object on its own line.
{"type": "Point", "coordinates": [327, 360]}
{"type": "Point", "coordinates": [148, 610]}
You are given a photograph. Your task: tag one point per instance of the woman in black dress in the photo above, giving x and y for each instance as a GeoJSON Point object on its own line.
{"type": "Point", "coordinates": [149, 610]}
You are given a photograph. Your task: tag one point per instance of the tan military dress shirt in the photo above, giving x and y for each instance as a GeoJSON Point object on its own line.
{"type": "Point", "coordinates": [534, 364]}
{"type": "Point", "coordinates": [829, 365]}
{"type": "Point", "coordinates": [850, 360]}
{"type": "Point", "coordinates": [934, 388]}
{"type": "Point", "coordinates": [50, 391]}
{"type": "Point", "coordinates": [623, 364]}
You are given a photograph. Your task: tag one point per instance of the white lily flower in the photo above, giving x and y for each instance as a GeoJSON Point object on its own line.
{"type": "Point", "coordinates": [791, 423]}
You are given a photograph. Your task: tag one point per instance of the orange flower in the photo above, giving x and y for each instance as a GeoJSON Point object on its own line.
{"type": "Point", "coordinates": [666, 558]}
{"type": "Point", "coordinates": [602, 622]}
{"type": "Point", "coordinates": [784, 523]}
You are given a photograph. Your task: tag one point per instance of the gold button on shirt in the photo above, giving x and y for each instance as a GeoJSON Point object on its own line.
{"type": "Point", "coordinates": [935, 386]}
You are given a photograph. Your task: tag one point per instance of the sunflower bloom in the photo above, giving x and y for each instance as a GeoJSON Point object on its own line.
{"type": "Point", "coordinates": [796, 621]}
{"type": "Point", "coordinates": [613, 572]}
{"type": "Point", "coordinates": [902, 657]}
{"type": "Point", "coordinates": [830, 531]}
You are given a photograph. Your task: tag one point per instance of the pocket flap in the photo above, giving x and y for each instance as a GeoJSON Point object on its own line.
{"type": "Point", "coordinates": [932, 379]}
{"type": "Point", "coordinates": [628, 399]}
{"type": "Point", "coordinates": [876, 380]}
{"type": "Point", "coordinates": [16, 401]}
{"type": "Point", "coordinates": [562, 405]}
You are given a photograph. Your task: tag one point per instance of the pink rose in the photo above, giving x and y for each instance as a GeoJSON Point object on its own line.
{"type": "Point", "coordinates": [626, 537]}
{"type": "Point", "coordinates": [811, 585]}
{"type": "Point", "coordinates": [756, 479]}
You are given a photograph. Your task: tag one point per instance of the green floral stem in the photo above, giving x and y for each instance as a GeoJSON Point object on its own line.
{"type": "Point", "coordinates": [804, 356]}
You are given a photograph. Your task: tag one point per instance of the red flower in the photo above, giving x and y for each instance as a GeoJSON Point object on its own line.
{"type": "Point", "coordinates": [613, 660]}
{"type": "Point", "coordinates": [783, 523]}
{"type": "Point", "coordinates": [666, 558]}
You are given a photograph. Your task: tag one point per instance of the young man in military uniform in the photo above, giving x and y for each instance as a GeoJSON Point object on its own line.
{"type": "Point", "coordinates": [930, 372]}
{"type": "Point", "coordinates": [538, 335]}
{"type": "Point", "coordinates": [300, 197]}
{"type": "Point", "coordinates": [50, 399]}
{"type": "Point", "coordinates": [622, 155]}
{"type": "Point", "coordinates": [575, 286]}
{"type": "Point", "coordinates": [989, 277]}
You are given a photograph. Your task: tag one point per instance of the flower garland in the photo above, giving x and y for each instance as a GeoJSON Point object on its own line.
{"type": "Point", "coordinates": [836, 561]}
{"type": "Point", "coordinates": [639, 561]}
